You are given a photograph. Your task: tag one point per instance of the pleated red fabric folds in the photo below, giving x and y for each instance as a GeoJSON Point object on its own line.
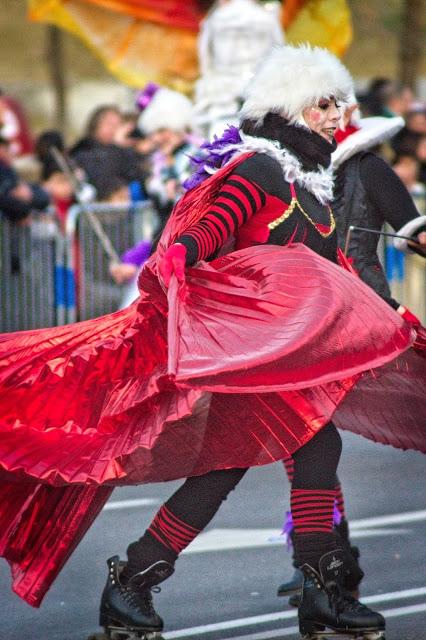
{"type": "Point", "coordinates": [238, 367]}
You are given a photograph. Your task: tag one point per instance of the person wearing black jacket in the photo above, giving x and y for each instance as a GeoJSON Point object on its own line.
{"type": "Point", "coordinates": [367, 194]}
{"type": "Point", "coordinates": [17, 197]}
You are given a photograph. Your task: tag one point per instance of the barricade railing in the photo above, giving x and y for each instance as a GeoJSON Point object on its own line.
{"type": "Point", "coordinates": [50, 277]}
{"type": "Point", "coordinates": [97, 234]}
{"type": "Point", "coordinates": [29, 255]}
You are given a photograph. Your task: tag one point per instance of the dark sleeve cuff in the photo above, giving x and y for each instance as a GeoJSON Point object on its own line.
{"type": "Point", "coordinates": [191, 249]}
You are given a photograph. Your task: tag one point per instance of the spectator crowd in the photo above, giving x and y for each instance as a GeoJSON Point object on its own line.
{"type": "Point", "coordinates": [125, 157]}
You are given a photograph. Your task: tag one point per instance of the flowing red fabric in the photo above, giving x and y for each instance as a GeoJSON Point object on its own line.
{"type": "Point", "coordinates": [240, 366]}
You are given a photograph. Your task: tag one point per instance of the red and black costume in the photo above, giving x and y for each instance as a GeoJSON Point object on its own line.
{"type": "Point", "coordinates": [264, 347]}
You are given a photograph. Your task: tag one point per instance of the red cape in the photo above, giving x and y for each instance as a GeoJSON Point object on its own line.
{"type": "Point", "coordinates": [244, 369]}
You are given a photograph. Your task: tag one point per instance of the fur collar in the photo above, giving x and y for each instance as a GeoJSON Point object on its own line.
{"type": "Point", "coordinates": [319, 183]}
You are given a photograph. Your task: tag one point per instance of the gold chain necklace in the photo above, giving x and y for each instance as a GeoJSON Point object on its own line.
{"type": "Point", "coordinates": [287, 213]}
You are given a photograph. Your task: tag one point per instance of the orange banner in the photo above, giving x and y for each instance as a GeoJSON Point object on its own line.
{"type": "Point", "coordinates": [175, 13]}
{"type": "Point", "coordinates": [143, 40]}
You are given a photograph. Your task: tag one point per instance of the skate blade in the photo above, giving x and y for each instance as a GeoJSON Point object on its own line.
{"type": "Point", "coordinates": [345, 635]}
{"type": "Point", "coordinates": [121, 633]}
{"type": "Point", "coordinates": [289, 592]}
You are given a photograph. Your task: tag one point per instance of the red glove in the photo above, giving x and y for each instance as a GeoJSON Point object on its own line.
{"type": "Point", "coordinates": [409, 317]}
{"type": "Point", "coordinates": [173, 261]}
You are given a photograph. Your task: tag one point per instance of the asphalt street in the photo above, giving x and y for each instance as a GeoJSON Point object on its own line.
{"type": "Point", "coordinates": [225, 584]}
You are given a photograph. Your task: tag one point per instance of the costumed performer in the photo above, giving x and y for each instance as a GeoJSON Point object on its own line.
{"type": "Point", "coordinates": [367, 194]}
{"type": "Point", "coordinates": [247, 359]}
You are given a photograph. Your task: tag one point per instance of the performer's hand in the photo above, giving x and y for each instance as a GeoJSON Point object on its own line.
{"type": "Point", "coordinates": [409, 316]}
{"type": "Point", "coordinates": [173, 261]}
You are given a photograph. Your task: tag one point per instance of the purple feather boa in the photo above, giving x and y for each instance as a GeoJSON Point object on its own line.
{"type": "Point", "coordinates": [213, 156]}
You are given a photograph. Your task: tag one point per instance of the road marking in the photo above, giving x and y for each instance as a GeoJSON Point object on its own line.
{"type": "Point", "coordinates": [130, 504]}
{"type": "Point", "coordinates": [290, 631]}
{"type": "Point", "coordinates": [287, 615]}
{"type": "Point", "coordinates": [396, 518]}
{"type": "Point", "coordinates": [226, 539]}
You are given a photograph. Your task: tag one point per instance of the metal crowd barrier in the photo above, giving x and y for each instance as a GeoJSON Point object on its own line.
{"type": "Point", "coordinates": [50, 277]}
{"type": "Point", "coordinates": [28, 259]}
{"type": "Point", "coordinates": [407, 277]}
{"type": "Point", "coordinates": [96, 234]}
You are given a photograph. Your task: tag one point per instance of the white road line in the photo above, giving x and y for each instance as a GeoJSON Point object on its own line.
{"type": "Point", "coordinates": [404, 611]}
{"type": "Point", "coordinates": [290, 631]}
{"type": "Point", "coordinates": [266, 635]}
{"type": "Point", "coordinates": [226, 539]}
{"type": "Point", "coordinates": [287, 615]}
{"type": "Point", "coordinates": [396, 518]}
{"type": "Point", "coordinates": [130, 504]}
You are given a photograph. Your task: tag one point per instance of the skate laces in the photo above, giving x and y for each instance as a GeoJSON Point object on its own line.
{"type": "Point", "coordinates": [140, 600]}
{"type": "Point", "coordinates": [340, 600]}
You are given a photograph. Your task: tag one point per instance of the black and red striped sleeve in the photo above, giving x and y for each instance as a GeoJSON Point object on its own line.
{"type": "Point", "coordinates": [237, 202]}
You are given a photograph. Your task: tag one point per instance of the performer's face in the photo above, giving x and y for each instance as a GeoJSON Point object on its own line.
{"type": "Point", "coordinates": [323, 117]}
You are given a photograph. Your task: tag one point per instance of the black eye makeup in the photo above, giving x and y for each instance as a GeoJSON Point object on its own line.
{"type": "Point", "coordinates": [324, 104]}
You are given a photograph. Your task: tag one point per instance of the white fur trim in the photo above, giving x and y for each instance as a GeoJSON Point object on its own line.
{"type": "Point", "coordinates": [373, 131]}
{"type": "Point", "coordinates": [167, 110]}
{"type": "Point", "coordinates": [293, 78]}
{"type": "Point", "coordinates": [409, 229]}
{"type": "Point", "coordinates": [319, 183]}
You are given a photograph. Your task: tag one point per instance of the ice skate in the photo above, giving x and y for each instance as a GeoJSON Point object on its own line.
{"type": "Point", "coordinates": [326, 609]}
{"type": "Point", "coordinates": [127, 611]}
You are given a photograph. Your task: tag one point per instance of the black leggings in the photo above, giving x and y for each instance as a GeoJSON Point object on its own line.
{"type": "Point", "coordinates": [315, 466]}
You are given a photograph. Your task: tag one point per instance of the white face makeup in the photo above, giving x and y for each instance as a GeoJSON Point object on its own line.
{"type": "Point", "coordinates": [323, 118]}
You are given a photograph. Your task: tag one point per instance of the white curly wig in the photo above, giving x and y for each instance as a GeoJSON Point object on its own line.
{"type": "Point", "coordinates": [167, 110]}
{"type": "Point", "coordinates": [293, 78]}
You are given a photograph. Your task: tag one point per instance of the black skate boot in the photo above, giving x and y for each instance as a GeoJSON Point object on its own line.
{"type": "Point", "coordinates": [294, 585]}
{"type": "Point", "coordinates": [326, 609]}
{"type": "Point", "coordinates": [354, 573]}
{"type": "Point", "coordinates": [127, 611]}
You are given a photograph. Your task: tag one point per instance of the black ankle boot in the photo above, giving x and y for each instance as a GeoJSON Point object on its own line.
{"type": "Point", "coordinates": [325, 604]}
{"type": "Point", "coordinates": [292, 586]}
{"type": "Point", "coordinates": [129, 605]}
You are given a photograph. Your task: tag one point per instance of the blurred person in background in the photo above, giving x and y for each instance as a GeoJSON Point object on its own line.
{"type": "Point", "coordinates": [415, 118]}
{"type": "Point", "coordinates": [407, 168]}
{"type": "Point", "coordinates": [386, 97]}
{"type": "Point", "coordinates": [412, 144]}
{"type": "Point", "coordinates": [99, 155]}
{"type": "Point", "coordinates": [18, 198]}
{"type": "Point", "coordinates": [165, 126]}
{"type": "Point", "coordinates": [167, 118]}
{"type": "Point", "coordinates": [14, 126]}
{"type": "Point", "coordinates": [233, 37]}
